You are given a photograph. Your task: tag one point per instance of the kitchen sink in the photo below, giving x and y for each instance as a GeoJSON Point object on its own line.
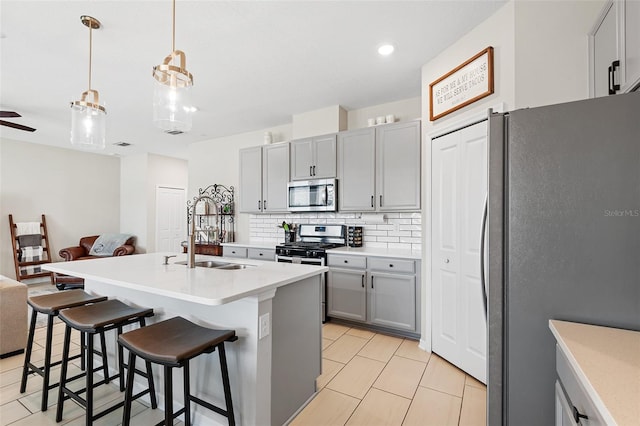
{"type": "Point", "coordinates": [236, 266]}
{"type": "Point", "coordinates": [217, 265]}
{"type": "Point", "coordinates": [206, 263]}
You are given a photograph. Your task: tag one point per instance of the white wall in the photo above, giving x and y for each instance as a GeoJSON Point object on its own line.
{"type": "Point", "coordinates": [133, 198]}
{"type": "Point", "coordinates": [319, 122]}
{"type": "Point", "coordinates": [77, 191]}
{"type": "Point", "coordinates": [551, 55]}
{"type": "Point", "coordinates": [141, 174]}
{"type": "Point", "coordinates": [404, 110]}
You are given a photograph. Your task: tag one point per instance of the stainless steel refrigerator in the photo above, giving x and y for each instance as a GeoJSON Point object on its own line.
{"type": "Point", "coordinates": [563, 240]}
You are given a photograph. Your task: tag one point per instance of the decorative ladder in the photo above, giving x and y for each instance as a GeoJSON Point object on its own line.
{"type": "Point", "coordinates": [45, 251]}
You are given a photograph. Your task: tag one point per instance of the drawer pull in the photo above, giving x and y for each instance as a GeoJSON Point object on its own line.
{"type": "Point", "coordinates": [577, 415]}
{"type": "Point", "coordinates": [259, 254]}
{"type": "Point", "coordinates": [391, 265]}
{"type": "Point", "coordinates": [346, 261]}
{"type": "Point", "coordinates": [233, 251]}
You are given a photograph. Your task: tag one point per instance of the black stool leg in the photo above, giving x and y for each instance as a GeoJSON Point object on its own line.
{"type": "Point", "coordinates": [168, 396]}
{"type": "Point", "coordinates": [126, 414]}
{"type": "Point", "coordinates": [121, 361]}
{"type": "Point", "coordinates": [83, 348]}
{"type": "Point", "coordinates": [225, 384]}
{"type": "Point", "coordinates": [27, 355]}
{"type": "Point", "coordinates": [152, 388]}
{"type": "Point", "coordinates": [47, 364]}
{"type": "Point", "coordinates": [187, 395]}
{"type": "Point", "coordinates": [63, 372]}
{"type": "Point", "coordinates": [105, 364]}
{"type": "Point", "coordinates": [89, 380]}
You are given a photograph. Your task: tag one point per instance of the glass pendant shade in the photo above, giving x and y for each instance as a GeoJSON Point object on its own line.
{"type": "Point", "coordinates": [88, 117]}
{"type": "Point", "coordinates": [172, 106]}
{"type": "Point", "coordinates": [88, 126]}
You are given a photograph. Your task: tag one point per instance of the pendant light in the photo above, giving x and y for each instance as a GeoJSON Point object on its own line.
{"type": "Point", "coordinates": [88, 117]}
{"type": "Point", "coordinates": [172, 109]}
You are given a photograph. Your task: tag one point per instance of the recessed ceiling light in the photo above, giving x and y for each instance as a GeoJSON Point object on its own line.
{"type": "Point", "coordinates": [386, 49]}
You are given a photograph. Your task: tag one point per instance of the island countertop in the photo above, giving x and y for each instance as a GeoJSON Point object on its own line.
{"type": "Point", "coordinates": [208, 286]}
{"type": "Point", "coordinates": [607, 362]}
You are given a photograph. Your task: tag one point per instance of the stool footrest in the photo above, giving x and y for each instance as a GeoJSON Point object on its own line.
{"type": "Point", "coordinates": [208, 405]}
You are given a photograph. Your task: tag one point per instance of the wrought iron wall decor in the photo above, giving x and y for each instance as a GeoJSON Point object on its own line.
{"type": "Point", "coordinates": [223, 231]}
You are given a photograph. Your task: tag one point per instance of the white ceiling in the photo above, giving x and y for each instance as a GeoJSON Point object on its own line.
{"type": "Point", "coordinates": [255, 63]}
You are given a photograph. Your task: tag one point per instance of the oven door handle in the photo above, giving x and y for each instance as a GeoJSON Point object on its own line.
{"type": "Point", "coordinates": [303, 260]}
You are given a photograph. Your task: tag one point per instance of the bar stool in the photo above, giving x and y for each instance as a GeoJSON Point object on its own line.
{"type": "Point", "coordinates": [172, 343]}
{"type": "Point", "coordinates": [50, 305]}
{"type": "Point", "coordinates": [97, 319]}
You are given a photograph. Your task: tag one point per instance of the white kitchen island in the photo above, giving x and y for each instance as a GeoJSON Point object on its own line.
{"type": "Point", "coordinates": [272, 368]}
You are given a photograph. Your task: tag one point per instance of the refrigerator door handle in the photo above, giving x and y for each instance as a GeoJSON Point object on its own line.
{"type": "Point", "coordinates": [482, 246]}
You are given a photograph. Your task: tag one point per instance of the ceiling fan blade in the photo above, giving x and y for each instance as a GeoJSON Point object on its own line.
{"type": "Point", "coordinates": [17, 126]}
{"type": "Point", "coordinates": [6, 114]}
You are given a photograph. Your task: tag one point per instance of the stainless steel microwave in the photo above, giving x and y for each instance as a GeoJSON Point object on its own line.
{"type": "Point", "coordinates": [318, 195]}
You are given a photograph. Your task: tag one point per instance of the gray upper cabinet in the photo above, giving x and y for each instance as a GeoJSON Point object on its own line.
{"type": "Point", "coordinates": [614, 49]}
{"type": "Point", "coordinates": [398, 166]}
{"type": "Point", "coordinates": [275, 176]}
{"type": "Point", "coordinates": [379, 168]}
{"type": "Point", "coordinates": [356, 170]}
{"type": "Point", "coordinates": [313, 158]}
{"type": "Point", "coordinates": [250, 190]}
{"type": "Point", "coordinates": [264, 174]}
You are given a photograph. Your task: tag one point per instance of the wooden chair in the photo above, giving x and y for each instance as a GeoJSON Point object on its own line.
{"type": "Point", "coordinates": [46, 254]}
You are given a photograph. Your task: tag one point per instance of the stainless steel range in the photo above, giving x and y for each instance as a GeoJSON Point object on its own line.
{"type": "Point", "coordinates": [311, 248]}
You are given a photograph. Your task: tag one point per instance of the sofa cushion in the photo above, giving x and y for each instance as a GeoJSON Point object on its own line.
{"type": "Point", "coordinates": [105, 244]}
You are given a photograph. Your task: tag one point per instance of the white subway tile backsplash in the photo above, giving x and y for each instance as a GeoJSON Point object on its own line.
{"type": "Point", "coordinates": [399, 230]}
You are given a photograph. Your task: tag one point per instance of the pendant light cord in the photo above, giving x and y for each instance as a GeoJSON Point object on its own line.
{"type": "Point", "coordinates": [90, 50]}
{"type": "Point", "coordinates": [173, 40]}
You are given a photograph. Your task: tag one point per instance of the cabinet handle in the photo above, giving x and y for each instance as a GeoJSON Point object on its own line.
{"type": "Point", "coordinates": [609, 75]}
{"type": "Point", "coordinates": [259, 205]}
{"type": "Point", "coordinates": [346, 261]}
{"type": "Point", "coordinates": [372, 281]}
{"type": "Point", "coordinates": [391, 265]}
{"type": "Point", "coordinates": [372, 201]}
{"type": "Point", "coordinates": [310, 170]}
{"type": "Point", "coordinates": [259, 254]}
{"type": "Point", "coordinates": [362, 280]}
{"type": "Point", "coordinates": [577, 415]}
{"type": "Point", "coordinates": [314, 170]}
{"type": "Point", "coordinates": [233, 251]}
{"type": "Point", "coordinates": [264, 204]}
{"type": "Point", "coordinates": [380, 200]}
{"type": "Point", "coordinates": [614, 65]}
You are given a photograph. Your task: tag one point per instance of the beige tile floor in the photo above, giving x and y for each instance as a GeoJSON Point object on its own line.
{"type": "Point", "coordinates": [372, 379]}
{"type": "Point", "coordinates": [368, 379]}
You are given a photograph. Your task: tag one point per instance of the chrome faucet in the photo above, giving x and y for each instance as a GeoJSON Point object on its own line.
{"type": "Point", "coordinates": [191, 249]}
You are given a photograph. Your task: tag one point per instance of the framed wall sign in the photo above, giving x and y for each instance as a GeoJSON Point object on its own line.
{"type": "Point", "coordinates": [462, 86]}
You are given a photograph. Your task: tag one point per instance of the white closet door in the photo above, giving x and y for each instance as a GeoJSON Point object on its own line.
{"type": "Point", "coordinates": [459, 186]}
{"type": "Point", "coordinates": [171, 219]}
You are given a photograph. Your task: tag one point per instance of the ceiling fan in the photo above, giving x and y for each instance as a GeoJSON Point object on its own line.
{"type": "Point", "coordinates": [12, 114]}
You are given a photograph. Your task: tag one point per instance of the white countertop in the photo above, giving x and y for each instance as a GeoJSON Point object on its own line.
{"type": "Point", "coordinates": [208, 286]}
{"type": "Point", "coordinates": [379, 252]}
{"type": "Point", "coordinates": [607, 361]}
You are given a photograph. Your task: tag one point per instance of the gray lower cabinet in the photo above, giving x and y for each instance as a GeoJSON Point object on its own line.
{"type": "Point", "coordinates": [378, 291]}
{"type": "Point", "coordinates": [393, 301]}
{"type": "Point", "coordinates": [346, 294]}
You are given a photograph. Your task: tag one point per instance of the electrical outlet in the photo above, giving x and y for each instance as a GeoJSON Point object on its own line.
{"type": "Point", "coordinates": [265, 326]}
